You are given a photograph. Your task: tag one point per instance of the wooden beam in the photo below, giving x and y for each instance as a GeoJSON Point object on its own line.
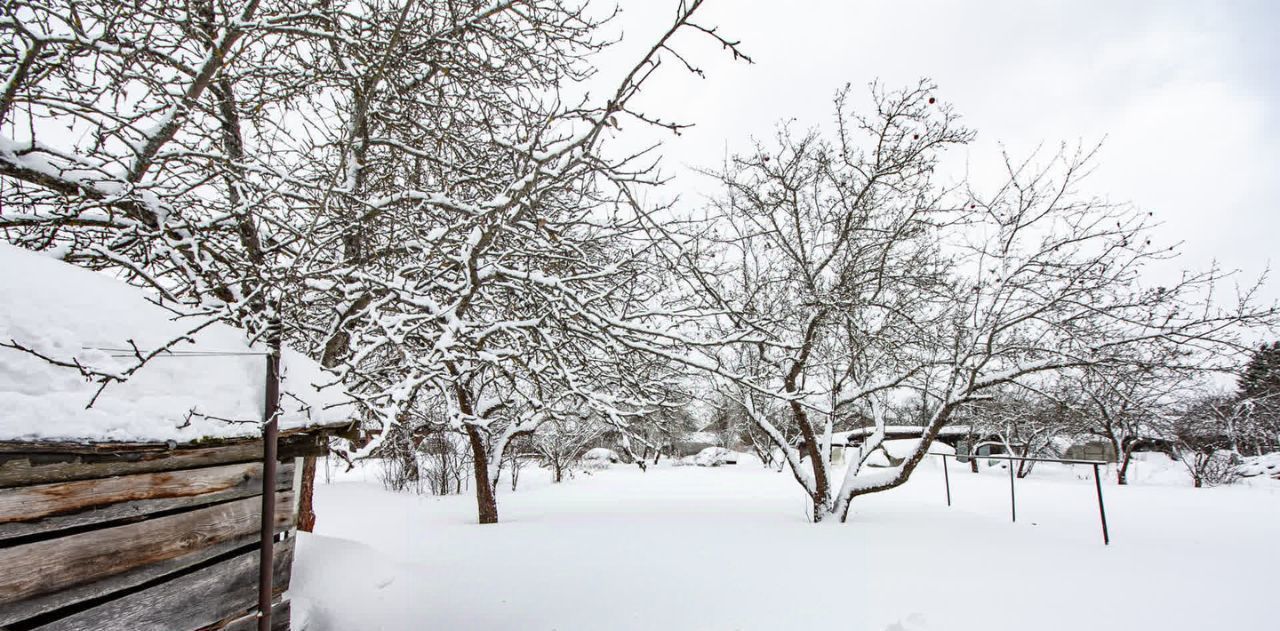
{"type": "Point", "coordinates": [344, 428]}
{"type": "Point", "coordinates": [37, 605]}
{"type": "Point", "coordinates": [280, 613]}
{"type": "Point", "coordinates": [199, 600]}
{"type": "Point", "coordinates": [28, 467]}
{"type": "Point", "coordinates": [24, 464]}
{"type": "Point", "coordinates": [50, 566]}
{"type": "Point", "coordinates": [47, 508]}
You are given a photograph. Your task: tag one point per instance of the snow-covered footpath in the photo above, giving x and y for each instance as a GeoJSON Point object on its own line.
{"type": "Point", "coordinates": [729, 548]}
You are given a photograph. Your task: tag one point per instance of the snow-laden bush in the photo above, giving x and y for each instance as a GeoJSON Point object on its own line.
{"type": "Point", "coordinates": [1210, 467]}
{"type": "Point", "coordinates": [715, 456]}
{"type": "Point", "coordinates": [1264, 465]}
{"type": "Point", "coordinates": [435, 461]}
{"type": "Point", "coordinates": [601, 454]}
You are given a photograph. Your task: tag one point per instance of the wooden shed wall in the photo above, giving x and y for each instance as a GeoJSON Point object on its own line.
{"type": "Point", "coordinates": [139, 538]}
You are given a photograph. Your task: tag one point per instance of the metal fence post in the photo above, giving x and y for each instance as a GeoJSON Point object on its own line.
{"type": "Point", "coordinates": [1102, 510]}
{"type": "Point", "coordinates": [946, 477]}
{"type": "Point", "coordinates": [1013, 475]}
{"type": "Point", "coordinates": [270, 434]}
{"type": "Point", "coordinates": [1013, 500]}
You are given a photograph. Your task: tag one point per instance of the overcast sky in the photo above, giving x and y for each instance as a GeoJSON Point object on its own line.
{"type": "Point", "coordinates": [1183, 92]}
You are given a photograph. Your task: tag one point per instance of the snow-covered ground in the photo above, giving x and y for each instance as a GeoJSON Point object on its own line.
{"type": "Point", "coordinates": [729, 548]}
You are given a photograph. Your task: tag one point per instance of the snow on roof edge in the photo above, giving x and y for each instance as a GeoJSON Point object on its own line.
{"type": "Point", "coordinates": [67, 312]}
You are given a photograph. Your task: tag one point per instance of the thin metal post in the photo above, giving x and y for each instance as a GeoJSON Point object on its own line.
{"type": "Point", "coordinates": [270, 434]}
{"type": "Point", "coordinates": [1102, 510]}
{"type": "Point", "coordinates": [946, 477]}
{"type": "Point", "coordinates": [1013, 500]}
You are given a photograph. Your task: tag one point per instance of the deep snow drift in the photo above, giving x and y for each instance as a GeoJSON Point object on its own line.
{"type": "Point", "coordinates": [729, 548]}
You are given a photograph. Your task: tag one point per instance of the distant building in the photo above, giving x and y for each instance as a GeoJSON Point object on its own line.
{"type": "Point", "coordinates": [1091, 450]}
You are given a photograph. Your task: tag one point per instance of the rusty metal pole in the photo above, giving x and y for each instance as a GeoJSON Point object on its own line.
{"type": "Point", "coordinates": [270, 434]}
{"type": "Point", "coordinates": [946, 477]}
{"type": "Point", "coordinates": [1102, 510]}
{"type": "Point", "coordinates": [1013, 500]}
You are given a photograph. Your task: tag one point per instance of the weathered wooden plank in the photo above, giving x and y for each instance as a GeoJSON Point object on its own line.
{"type": "Point", "coordinates": [27, 468]}
{"type": "Point", "coordinates": [42, 508]}
{"type": "Point", "coordinates": [53, 565]}
{"type": "Point", "coordinates": [28, 463]}
{"type": "Point", "coordinates": [280, 620]}
{"type": "Point", "coordinates": [344, 428]}
{"type": "Point", "coordinates": [192, 601]}
{"type": "Point", "coordinates": [36, 605]}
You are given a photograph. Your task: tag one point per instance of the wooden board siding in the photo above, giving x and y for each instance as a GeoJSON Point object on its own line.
{"type": "Point", "coordinates": [280, 614]}
{"type": "Point", "coordinates": [46, 508]}
{"type": "Point", "coordinates": [38, 605]}
{"type": "Point", "coordinates": [142, 536]}
{"type": "Point", "coordinates": [201, 599]}
{"type": "Point", "coordinates": [45, 567]}
{"type": "Point", "coordinates": [22, 468]}
{"type": "Point", "coordinates": [24, 464]}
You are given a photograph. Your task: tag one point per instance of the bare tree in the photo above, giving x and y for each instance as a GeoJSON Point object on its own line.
{"type": "Point", "coordinates": [1129, 404]}
{"type": "Point", "coordinates": [397, 186]}
{"type": "Point", "coordinates": [1027, 422]}
{"type": "Point", "coordinates": [857, 279]}
{"type": "Point", "coordinates": [1203, 437]}
{"type": "Point", "coordinates": [560, 444]}
{"type": "Point", "coordinates": [657, 431]}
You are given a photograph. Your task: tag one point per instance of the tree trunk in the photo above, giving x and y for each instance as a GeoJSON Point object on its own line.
{"type": "Point", "coordinates": [822, 495]}
{"type": "Point", "coordinates": [486, 501]}
{"type": "Point", "coordinates": [306, 511]}
{"type": "Point", "coordinates": [1122, 469]}
{"type": "Point", "coordinates": [1025, 466]}
{"type": "Point", "coordinates": [824, 508]}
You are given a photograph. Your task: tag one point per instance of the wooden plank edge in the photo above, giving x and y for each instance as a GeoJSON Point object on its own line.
{"type": "Point", "coordinates": [13, 501]}
{"type": "Point", "coordinates": [195, 600]}
{"type": "Point", "coordinates": [281, 613]}
{"type": "Point", "coordinates": [50, 571]}
{"type": "Point", "coordinates": [111, 447]}
{"type": "Point", "coordinates": [26, 464]}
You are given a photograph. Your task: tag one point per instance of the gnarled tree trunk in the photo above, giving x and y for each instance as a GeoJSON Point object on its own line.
{"type": "Point", "coordinates": [486, 501]}
{"type": "Point", "coordinates": [306, 510]}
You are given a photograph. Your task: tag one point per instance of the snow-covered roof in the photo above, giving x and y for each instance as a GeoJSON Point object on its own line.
{"type": "Point", "coordinates": [65, 312]}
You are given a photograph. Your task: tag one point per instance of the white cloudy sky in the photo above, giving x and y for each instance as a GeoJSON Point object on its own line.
{"type": "Point", "coordinates": [1183, 92]}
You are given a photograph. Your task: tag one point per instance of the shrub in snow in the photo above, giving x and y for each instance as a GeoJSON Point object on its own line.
{"type": "Point", "coordinates": [1264, 465]}
{"type": "Point", "coordinates": [601, 455]}
{"type": "Point", "coordinates": [423, 459]}
{"type": "Point", "coordinates": [714, 457]}
{"type": "Point", "coordinates": [685, 461]}
{"type": "Point", "coordinates": [1210, 467]}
